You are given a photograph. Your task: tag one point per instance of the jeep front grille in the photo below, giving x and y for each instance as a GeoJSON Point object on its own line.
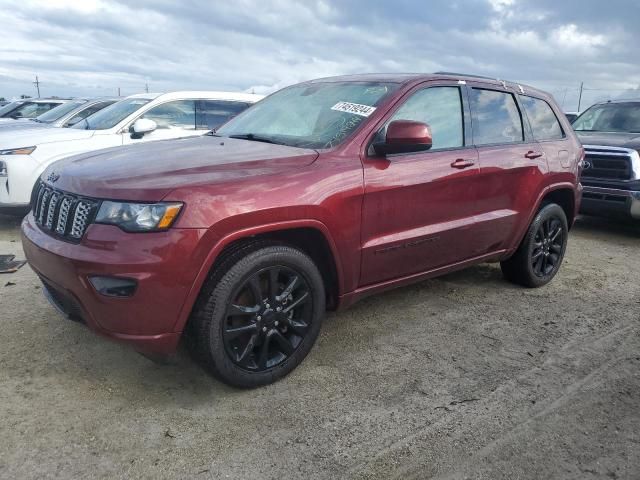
{"type": "Point", "coordinates": [62, 214]}
{"type": "Point", "coordinates": [609, 163]}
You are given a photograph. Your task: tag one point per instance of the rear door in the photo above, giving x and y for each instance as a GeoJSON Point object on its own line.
{"type": "Point", "coordinates": [547, 131]}
{"type": "Point", "coordinates": [418, 211]}
{"type": "Point", "coordinates": [512, 165]}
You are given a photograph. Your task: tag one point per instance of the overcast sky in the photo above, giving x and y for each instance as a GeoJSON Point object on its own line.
{"type": "Point", "coordinates": [92, 47]}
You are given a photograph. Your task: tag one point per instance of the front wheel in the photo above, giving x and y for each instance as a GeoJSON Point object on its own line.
{"type": "Point", "coordinates": [540, 254]}
{"type": "Point", "coordinates": [260, 317]}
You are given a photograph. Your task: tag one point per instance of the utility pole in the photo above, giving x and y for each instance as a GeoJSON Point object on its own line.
{"type": "Point", "coordinates": [37, 84]}
{"type": "Point", "coordinates": [580, 96]}
{"type": "Point", "coordinates": [146, 87]}
{"type": "Point", "coordinates": [118, 91]}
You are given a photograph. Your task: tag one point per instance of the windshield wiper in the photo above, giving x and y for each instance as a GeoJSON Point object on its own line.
{"type": "Point", "coordinates": [254, 138]}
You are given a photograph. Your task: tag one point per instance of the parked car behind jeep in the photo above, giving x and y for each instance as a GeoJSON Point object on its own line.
{"type": "Point", "coordinates": [321, 194]}
{"type": "Point", "coordinates": [64, 115]}
{"type": "Point", "coordinates": [24, 154]}
{"type": "Point", "coordinates": [30, 108]}
{"type": "Point", "coordinates": [610, 132]}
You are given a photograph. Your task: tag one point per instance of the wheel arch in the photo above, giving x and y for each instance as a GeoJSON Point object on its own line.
{"type": "Point", "coordinates": [310, 236]}
{"type": "Point", "coordinates": [562, 193]}
{"type": "Point", "coordinates": [565, 198]}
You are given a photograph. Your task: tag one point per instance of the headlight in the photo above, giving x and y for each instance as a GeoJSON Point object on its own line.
{"type": "Point", "coordinates": [138, 217]}
{"type": "Point", "coordinates": [18, 151]}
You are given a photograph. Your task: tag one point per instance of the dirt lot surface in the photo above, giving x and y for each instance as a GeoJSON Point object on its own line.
{"type": "Point", "coordinates": [465, 376]}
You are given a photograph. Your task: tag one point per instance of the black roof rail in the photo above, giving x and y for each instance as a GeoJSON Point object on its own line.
{"type": "Point", "coordinates": [455, 74]}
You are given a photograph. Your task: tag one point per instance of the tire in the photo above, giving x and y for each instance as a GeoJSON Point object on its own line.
{"type": "Point", "coordinates": [248, 333]}
{"type": "Point", "coordinates": [540, 254]}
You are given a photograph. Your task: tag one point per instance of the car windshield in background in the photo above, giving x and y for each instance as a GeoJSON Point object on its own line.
{"type": "Point", "coordinates": [110, 116]}
{"type": "Point", "coordinates": [32, 109]}
{"type": "Point", "coordinates": [610, 117]}
{"type": "Point", "coordinates": [315, 115]}
{"type": "Point", "coordinates": [9, 107]}
{"type": "Point", "coordinates": [58, 112]}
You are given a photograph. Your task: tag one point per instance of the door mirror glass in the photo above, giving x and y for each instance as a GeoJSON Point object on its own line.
{"type": "Point", "coordinates": [405, 136]}
{"type": "Point", "coordinates": [142, 126]}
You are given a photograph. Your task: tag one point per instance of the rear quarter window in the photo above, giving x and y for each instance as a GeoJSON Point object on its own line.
{"type": "Point", "coordinates": [543, 120]}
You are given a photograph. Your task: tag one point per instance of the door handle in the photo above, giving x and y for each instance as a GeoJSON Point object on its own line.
{"type": "Point", "coordinates": [462, 163]}
{"type": "Point", "coordinates": [532, 154]}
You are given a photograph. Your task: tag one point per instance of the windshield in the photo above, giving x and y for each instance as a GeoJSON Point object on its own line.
{"type": "Point", "coordinates": [110, 116]}
{"type": "Point", "coordinates": [9, 107]}
{"type": "Point", "coordinates": [316, 115]}
{"type": "Point", "coordinates": [610, 117]}
{"type": "Point", "coordinates": [58, 112]}
{"type": "Point", "coordinates": [32, 109]}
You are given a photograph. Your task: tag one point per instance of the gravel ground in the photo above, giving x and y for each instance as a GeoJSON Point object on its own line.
{"type": "Point", "coordinates": [465, 376]}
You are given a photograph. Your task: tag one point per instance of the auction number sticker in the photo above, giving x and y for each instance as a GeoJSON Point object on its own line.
{"type": "Point", "coordinates": [355, 108]}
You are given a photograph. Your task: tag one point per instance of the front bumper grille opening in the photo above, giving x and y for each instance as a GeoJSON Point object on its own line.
{"type": "Point", "coordinates": [66, 304]}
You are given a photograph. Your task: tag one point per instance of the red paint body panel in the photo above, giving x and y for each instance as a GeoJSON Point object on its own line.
{"type": "Point", "coordinates": [387, 221]}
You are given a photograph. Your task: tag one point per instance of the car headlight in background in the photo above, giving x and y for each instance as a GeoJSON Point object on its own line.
{"type": "Point", "coordinates": [138, 217]}
{"type": "Point", "coordinates": [18, 151]}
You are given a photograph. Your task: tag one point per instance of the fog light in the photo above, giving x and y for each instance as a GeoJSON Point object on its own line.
{"type": "Point", "coordinates": [114, 286]}
{"type": "Point", "coordinates": [3, 170]}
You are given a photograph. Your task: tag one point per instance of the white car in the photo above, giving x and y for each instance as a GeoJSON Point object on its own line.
{"type": "Point", "coordinates": [29, 108]}
{"type": "Point", "coordinates": [24, 154]}
{"type": "Point", "coordinates": [64, 115]}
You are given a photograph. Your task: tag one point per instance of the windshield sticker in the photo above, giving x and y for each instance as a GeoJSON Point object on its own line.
{"type": "Point", "coordinates": [355, 108]}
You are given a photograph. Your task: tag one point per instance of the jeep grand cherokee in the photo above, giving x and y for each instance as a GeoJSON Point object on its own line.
{"type": "Point", "coordinates": [321, 194]}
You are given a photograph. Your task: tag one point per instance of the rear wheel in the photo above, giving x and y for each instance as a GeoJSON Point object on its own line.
{"type": "Point", "coordinates": [541, 252]}
{"type": "Point", "coordinates": [257, 320]}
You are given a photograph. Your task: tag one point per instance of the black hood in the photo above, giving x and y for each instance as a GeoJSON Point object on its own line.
{"type": "Point", "coordinates": [611, 139]}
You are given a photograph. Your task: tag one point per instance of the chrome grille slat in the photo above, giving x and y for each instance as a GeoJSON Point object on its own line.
{"type": "Point", "coordinates": [80, 218]}
{"type": "Point", "coordinates": [61, 213]}
{"type": "Point", "coordinates": [43, 205]}
{"type": "Point", "coordinates": [51, 209]}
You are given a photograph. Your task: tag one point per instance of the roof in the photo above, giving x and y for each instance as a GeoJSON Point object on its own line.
{"type": "Point", "coordinates": [620, 100]}
{"type": "Point", "coordinates": [406, 78]}
{"type": "Point", "coordinates": [210, 95]}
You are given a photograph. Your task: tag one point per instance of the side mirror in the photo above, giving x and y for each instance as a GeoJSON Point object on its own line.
{"type": "Point", "coordinates": [142, 126]}
{"type": "Point", "coordinates": [405, 136]}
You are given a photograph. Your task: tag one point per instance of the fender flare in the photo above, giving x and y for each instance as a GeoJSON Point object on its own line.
{"type": "Point", "coordinates": [545, 191]}
{"type": "Point", "coordinates": [227, 239]}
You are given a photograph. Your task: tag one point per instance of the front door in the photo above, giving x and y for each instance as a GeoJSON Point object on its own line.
{"type": "Point", "coordinates": [418, 211]}
{"type": "Point", "coordinates": [174, 119]}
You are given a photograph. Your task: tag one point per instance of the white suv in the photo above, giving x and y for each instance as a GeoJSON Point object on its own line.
{"type": "Point", "coordinates": [24, 154]}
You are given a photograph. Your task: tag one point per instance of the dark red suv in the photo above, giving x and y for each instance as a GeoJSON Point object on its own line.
{"type": "Point", "coordinates": [317, 196]}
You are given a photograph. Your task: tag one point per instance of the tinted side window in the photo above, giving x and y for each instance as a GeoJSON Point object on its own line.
{"type": "Point", "coordinates": [213, 113]}
{"type": "Point", "coordinates": [543, 121]}
{"type": "Point", "coordinates": [441, 109]}
{"type": "Point", "coordinates": [178, 114]}
{"type": "Point", "coordinates": [495, 117]}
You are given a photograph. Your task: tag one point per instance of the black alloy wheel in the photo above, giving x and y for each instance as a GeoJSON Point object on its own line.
{"type": "Point", "coordinates": [259, 313]}
{"type": "Point", "coordinates": [268, 318]}
{"type": "Point", "coordinates": [539, 255]}
{"type": "Point", "coordinates": [548, 246]}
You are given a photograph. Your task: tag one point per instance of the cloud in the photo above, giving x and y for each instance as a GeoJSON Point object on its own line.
{"type": "Point", "coordinates": [95, 46]}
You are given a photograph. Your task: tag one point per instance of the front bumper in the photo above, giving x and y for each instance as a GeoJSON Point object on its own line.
{"type": "Point", "coordinates": [159, 262]}
{"type": "Point", "coordinates": [21, 174]}
{"type": "Point", "coordinates": [610, 202]}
